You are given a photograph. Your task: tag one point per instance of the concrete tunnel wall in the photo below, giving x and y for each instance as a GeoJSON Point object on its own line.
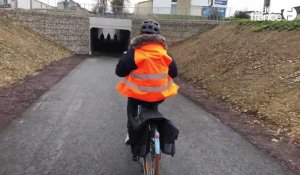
{"type": "Point", "coordinates": [109, 35]}
{"type": "Point", "coordinates": [74, 32]}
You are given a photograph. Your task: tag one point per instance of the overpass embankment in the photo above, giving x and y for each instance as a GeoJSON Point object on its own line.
{"type": "Point", "coordinates": [80, 35]}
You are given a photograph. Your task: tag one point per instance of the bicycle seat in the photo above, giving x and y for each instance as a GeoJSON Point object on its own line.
{"type": "Point", "coordinates": [148, 114]}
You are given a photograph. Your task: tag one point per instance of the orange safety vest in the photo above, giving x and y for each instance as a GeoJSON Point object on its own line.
{"type": "Point", "coordinates": [150, 81]}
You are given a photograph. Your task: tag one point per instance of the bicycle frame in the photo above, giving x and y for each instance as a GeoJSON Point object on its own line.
{"type": "Point", "coordinates": [151, 161]}
{"type": "Point", "coordinates": [156, 141]}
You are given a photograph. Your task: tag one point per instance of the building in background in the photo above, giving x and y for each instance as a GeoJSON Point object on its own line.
{"type": "Point", "coordinates": [182, 7]}
{"type": "Point", "coordinates": [33, 4]}
{"type": "Point", "coordinates": [223, 8]}
{"type": "Point", "coordinates": [71, 5]}
{"type": "Point", "coordinates": [197, 6]}
{"type": "Point", "coordinates": [8, 3]}
{"type": "Point", "coordinates": [25, 4]}
{"type": "Point", "coordinates": [4, 3]}
{"type": "Point", "coordinates": [162, 6]}
{"type": "Point", "coordinates": [215, 8]}
{"type": "Point", "coordinates": [179, 7]}
{"type": "Point", "coordinates": [143, 8]}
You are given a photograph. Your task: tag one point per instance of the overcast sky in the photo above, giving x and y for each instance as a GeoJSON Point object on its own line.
{"type": "Point", "coordinates": [276, 5]}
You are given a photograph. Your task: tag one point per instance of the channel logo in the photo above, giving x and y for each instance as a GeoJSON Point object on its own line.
{"type": "Point", "coordinates": [290, 14]}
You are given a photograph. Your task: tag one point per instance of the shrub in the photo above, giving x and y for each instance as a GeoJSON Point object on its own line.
{"type": "Point", "coordinates": [241, 15]}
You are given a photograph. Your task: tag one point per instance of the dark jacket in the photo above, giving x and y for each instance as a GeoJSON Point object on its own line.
{"type": "Point", "coordinates": [127, 64]}
{"type": "Point", "coordinates": [139, 136]}
{"type": "Point", "coordinates": [167, 130]}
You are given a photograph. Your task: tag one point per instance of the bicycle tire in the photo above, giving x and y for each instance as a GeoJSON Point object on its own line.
{"type": "Point", "coordinates": [156, 168]}
{"type": "Point", "coordinates": [151, 164]}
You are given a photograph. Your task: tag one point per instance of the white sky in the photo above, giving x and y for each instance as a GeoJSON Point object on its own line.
{"type": "Point", "coordinates": [276, 5]}
{"type": "Point", "coordinates": [246, 4]}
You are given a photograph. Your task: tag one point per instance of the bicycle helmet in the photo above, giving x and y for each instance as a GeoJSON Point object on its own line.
{"type": "Point", "coordinates": [150, 27]}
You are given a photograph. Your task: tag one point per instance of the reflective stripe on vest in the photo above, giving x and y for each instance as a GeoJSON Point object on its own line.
{"type": "Point", "coordinates": [149, 76]}
{"type": "Point", "coordinates": [147, 88]}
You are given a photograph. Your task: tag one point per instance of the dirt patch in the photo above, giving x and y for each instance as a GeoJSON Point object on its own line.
{"type": "Point", "coordinates": [255, 72]}
{"type": "Point", "coordinates": [24, 52]}
{"type": "Point", "coordinates": [15, 99]}
{"type": "Point", "coordinates": [246, 125]}
{"type": "Point", "coordinates": [255, 76]}
{"type": "Point", "coordinates": [29, 65]}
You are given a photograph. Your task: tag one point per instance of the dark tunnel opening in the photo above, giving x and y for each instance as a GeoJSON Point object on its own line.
{"type": "Point", "coordinates": [109, 41]}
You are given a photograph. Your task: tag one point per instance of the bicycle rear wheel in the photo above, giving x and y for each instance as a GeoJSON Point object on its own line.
{"type": "Point", "coordinates": [151, 164]}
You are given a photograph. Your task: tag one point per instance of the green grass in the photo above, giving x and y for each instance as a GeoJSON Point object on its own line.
{"type": "Point", "coordinates": [259, 26]}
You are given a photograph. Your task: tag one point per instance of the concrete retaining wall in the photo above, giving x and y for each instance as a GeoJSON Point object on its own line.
{"type": "Point", "coordinates": [70, 31]}
{"type": "Point", "coordinates": [73, 31]}
{"type": "Point", "coordinates": [175, 31]}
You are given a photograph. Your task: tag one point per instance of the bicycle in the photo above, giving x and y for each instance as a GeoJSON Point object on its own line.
{"type": "Point", "coordinates": [151, 160]}
{"type": "Point", "coordinates": [150, 163]}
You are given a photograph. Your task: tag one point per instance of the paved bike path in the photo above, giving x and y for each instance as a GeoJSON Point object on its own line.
{"type": "Point", "coordinates": [78, 127]}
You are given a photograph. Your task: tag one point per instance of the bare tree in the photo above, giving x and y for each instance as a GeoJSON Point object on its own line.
{"type": "Point", "coordinates": [211, 3]}
{"type": "Point", "coordinates": [65, 4]}
{"type": "Point", "coordinates": [14, 4]}
{"type": "Point", "coordinates": [100, 6]}
{"type": "Point", "coordinates": [118, 6]}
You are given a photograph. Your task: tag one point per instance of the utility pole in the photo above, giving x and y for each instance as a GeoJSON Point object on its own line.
{"type": "Point", "coordinates": [30, 4]}
{"type": "Point", "coordinates": [211, 3]}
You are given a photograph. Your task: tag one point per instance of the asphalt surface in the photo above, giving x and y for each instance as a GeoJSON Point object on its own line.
{"type": "Point", "coordinates": [79, 126]}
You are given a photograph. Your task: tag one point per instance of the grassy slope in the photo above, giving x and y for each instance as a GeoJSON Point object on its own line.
{"type": "Point", "coordinates": [271, 25]}
{"type": "Point", "coordinates": [256, 72]}
{"type": "Point", "coordinates": [23, 52]}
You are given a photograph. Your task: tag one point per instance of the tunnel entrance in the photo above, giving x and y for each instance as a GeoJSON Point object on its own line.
{"type": "Point", "coordinates": [109, 36]}
{"type": "Point", "coordinates": [109, 41]}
